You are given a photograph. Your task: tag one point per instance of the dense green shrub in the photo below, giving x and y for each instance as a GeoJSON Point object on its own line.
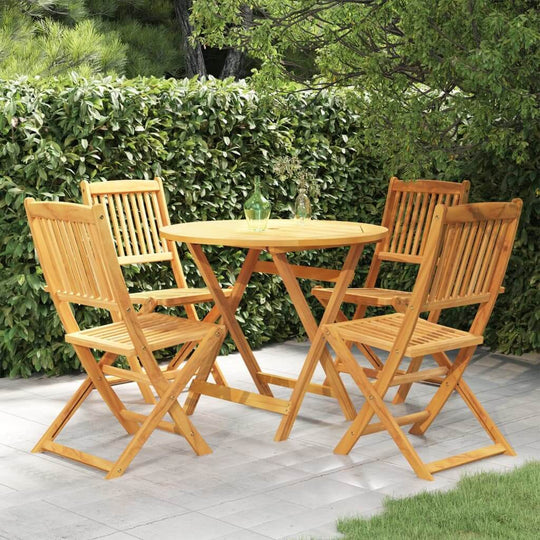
{"type": "Point", "coordinates": [207, 141]}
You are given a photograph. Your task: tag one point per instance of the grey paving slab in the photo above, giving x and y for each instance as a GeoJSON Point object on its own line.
{"type": "Point", "coordinates": [123, 512]}
{"type": "Point", "coordinates": [44, 520]}
{"type": "Point", "coordinates": [117, 536]}
{"type": "Point", "coordinates": [295, 524]}
{"type": "Point", "coordinates": [316, 492]}
{"type": "Point", "coordinates": [243, 535]}
{"type": "Point", "coordinates": [263, 513]}
{"type": "Point", "coordinates": [190, 526]}
{"type": "Point", "coordinates": [250, 487]}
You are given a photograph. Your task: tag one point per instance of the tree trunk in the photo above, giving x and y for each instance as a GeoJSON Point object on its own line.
{"type": "Point", "coordinates": [234, 65]}
{"type": "Point", "coordinates": [235, 60]}
{"type": "Point", "coordinates": [194, 57]}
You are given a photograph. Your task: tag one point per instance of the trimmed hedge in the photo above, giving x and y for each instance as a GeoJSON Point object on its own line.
{"type": "Point", "coordinates": [207, 141]}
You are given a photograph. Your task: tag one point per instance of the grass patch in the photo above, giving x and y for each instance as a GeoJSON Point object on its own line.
{"type": "Point", "coordinates": [486, 505]}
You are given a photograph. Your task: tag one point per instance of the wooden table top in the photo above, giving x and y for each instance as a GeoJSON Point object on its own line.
{"type": "Point", "coordinates": [284, 234]}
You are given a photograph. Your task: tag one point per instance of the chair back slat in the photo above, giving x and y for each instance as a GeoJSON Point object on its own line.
{"type": "Point", "coordinates": [72, 252]}
{"type": "Point", "coordinates": [409, 212]}
{"type": "Point", "coordinates": [474, 250]}
{"type": "Point", "coordinates": [136, 210]}
{"type": "Point", "coordinates": [135, 216]}
{"type": "Point", "coordinates": [154, 221]}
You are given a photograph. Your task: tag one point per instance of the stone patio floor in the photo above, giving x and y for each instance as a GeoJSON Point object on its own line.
{"type": "Point", "coordinates": [250, 487]}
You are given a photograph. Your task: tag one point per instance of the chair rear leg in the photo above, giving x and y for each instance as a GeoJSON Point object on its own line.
{"type": "Point", "coordinates": [364, 350]}
{"type": "Point", "coordinates": [145, 390]}
{"type": "Point", "coordinates": [483, 417]}
{"type": "Point", "coordinates": [202, 375]}
{"type": "Point", "coordinates": [401, 440]}
{"type": "Point", "coordinates": [445, 390]}
{"type": "Point", "coordinates": [477, 409]}
{"type": "Point", "coordinates": [211, 317]}
{"type": "Point", "coordinates": [168, 403]}
{"type": "Point", "coordinates": [374, 405]}
{"type": "Point", "coordinates": [404, 389]}
{"type": "Point", "coordinates": [414, 366]}
{"type": "Point", "coordinates": [207, 349]}
{"type": "Point", "coordinates": [70, 408]}
{"type": "Point", "coordinates": [103, 387]}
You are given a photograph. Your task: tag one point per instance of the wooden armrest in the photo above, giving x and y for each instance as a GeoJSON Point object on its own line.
{"type": "Point", "coordinates": [366, 296]}
{"type": "Point", "coordinates": [176, 297]}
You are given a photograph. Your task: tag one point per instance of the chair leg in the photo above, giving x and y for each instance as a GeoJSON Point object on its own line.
{"type": "Point", "coordinates": [202, 375]}
{"type": "Point", "coordinates": [456, 382]}
{"type": "Point", "coordinates": [364, 416]}
{"type": "Point", "coordinates": [404, 389]}
{"type": "Point", "coordinates": [366, 351]}
{"type": "Point", "coordinates": [483, 417]}
{"type": "Point", "coordinates": [211, 317]}
{"type": "Point", "coordinates": [167, 391]}
{"type": "Point", "coordinates": [167, 403]}
{"type": "Point", "coordinates": [102, 386]}
{"type": "Point", "coordinates": [374, 360]}
{"type": "Point", "coordinates": [476, 408]}
{"type": "Point", "coordinates": [414, 366]}
{"type": "Point", "coordinates": [386, 418]}
{"type": "Point", "coordinates": [145, 390]}
{"type": "Point", "coordinates": [374, 405]}
{"type": "Point", "coordinates": [70, 408]}
{"type": "Point", "coordinates": [445, 390]}
{"type": "Point", "coordinates": [208, 348]}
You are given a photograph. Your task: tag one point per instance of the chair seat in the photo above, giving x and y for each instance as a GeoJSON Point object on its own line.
{"type": "Point", "coordinates": [427, 337]}
{"type": "Point", "coordinates": [176, 297]}
{"type": "Point", "coordinates": [161, 331]}
{"type": "Point", "coordinates": [366, 296]}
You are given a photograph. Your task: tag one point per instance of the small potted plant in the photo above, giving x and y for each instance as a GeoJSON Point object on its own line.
{"type": "Point", "coordinates": [290, 168]}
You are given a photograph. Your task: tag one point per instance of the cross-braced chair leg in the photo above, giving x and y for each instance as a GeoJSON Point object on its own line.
{"type": "Point", "coordinates": [138, 425]}
{"type": "Point", "coordinates": [374, 394]}
{"type": "Point", "coordinates": [408, 213]}
{"type": "Point", "coordinates": [80, 265]}
{"type": "Point", "coordinates": [466, 256]}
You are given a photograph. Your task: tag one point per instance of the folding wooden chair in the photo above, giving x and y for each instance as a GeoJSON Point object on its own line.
{"type": "Point", "coordinates": [136, 210]}
{"type": "Point", "coordinates": [407, 216]}
{"type": "Point", "coordinates": [78, 259]}
{"type": "Point", "coordinates": [466, 254]}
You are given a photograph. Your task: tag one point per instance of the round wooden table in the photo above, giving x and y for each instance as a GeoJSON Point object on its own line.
{"type": "Point", "coordinates": [280, 237]}
{"type": "Point", "coordinates": [281, 234]}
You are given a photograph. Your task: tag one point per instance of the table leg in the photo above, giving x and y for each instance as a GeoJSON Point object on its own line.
{"type": "Point", "coordinates": [318, 342]}
{"type": "Point", "coordinates": [309, 323]}
{"type": "Point", "coordinates": [227, 307]}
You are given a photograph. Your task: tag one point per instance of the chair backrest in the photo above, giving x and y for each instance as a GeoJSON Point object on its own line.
{"type": "Point", "coordinates": [408, 215]}
{"type": "Point", "coordinates": [135, 210]}
{"type": "Point", "coordinates": [467, 253]}
{"type": "Point", "coordinates": [77, 256]}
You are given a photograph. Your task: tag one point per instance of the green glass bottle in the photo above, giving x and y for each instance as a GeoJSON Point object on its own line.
{"type": "Point", "coordinates": [257, 209]}
{"type": "Point", "coordinates": [302, 206]}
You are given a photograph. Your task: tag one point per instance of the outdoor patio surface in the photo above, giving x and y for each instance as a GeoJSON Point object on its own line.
{"type": "Point", "coordinates": [250, 487]}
